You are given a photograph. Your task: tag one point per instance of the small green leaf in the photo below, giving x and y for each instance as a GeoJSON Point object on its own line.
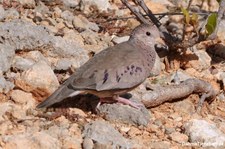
{"type": "Point", "coordinates": [186, 15]}
{"type": "Point", "coordinates": [194, 19]}
{"type": "Point", "coordinates": [211, 23]}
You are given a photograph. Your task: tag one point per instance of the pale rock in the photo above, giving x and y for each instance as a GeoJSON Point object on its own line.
{"type": "Point", "coordinates": [76, 111]}
{"type": "Point", "coordinates": [37, 140]}
{"type": "Point", "coordinates": [75, 130]}
{"type": "Point", "coordinates": [11, 14]}
{"type": "Point", "coordinates": [67, 48]}
{"type": "Point", "coordinates": [125, 129]}
{"type": "Point", "coordinates": [71, 142]}
{"type": "Point", "coordinates": [5, 86]}
{"type": "Point", "coordinates": [41, 8]}
{"type": "Point", "coordinates": [221, 30]}
{"type": "Point", "coordinates": [23, 35]}
{"type": "Point", "coordinates": [79, 24]}
{"type": "Point", "coordinates": [67, 15]}
{"type": "Point", "coordinates": [56, 131]}
{"type": "Point", "coordinates": [71, 3]}
{"type": "Point", "coordinates": [201, 131]}
{"type": "Point", "coordinates": [98, 131]}
{"type": "Point", "coordinates": [57, 12]}
{"type": "Point", "coordinates": [180, 76]}
{"type": "Point", "coordinates": [5, 127]}
{"type": "Point", "coordinates": [18, 112]}
{"type": "Point", "coordinates": [36, 56]}
{"type": "Point", "coordinates": [21, 63]}
{"type": "Point", "coordinates": [82, 23]}
{"type": "Point", "coordinates": [24, 98]}
{"type": "Point", "coordinates": [178, 137]}
{"type": "Point", "coordinates": [200, 62]}
{"type": "Point", "coordinates": [221, 76]}
{"type": "Point", "coordinates": [63, 64]}
{"type": "Point", "coordinates": [125, 114]}
{"type": "Point", "coordinates": [88, 143]}
{"type": "Point", "coordinates": [7, 52]}
{"type": "Point", "coordinates": [53, 29]}
{"type": "Point", "coordinates": [90, 37]}
{"type": "Point", "coordinates": [72, 35]}
{"type": "Point", "coordinates": [2, 13]}
{"type": "Point", "coordinates": [101, 5]}
{"type": "Point", "coordinates": [15, 110]}
{"type": "Point", "coordinates": [69, 135]}
{"type": "Point", "coordinates": [5, 107]}
{"type": "Point", "coordinates": [156, 7]}
{"type": "Point", "coordinates": [27, 3]}
{"type": "Point", "coordinates": [40, 75]}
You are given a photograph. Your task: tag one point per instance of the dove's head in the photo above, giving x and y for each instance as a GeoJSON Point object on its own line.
{"type": "Point", "coordinates": [145, 34]}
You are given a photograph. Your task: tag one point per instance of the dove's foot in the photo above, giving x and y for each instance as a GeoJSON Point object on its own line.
{"type": "Point", "coordinates": [127, 102]}
{"type": "Point", "coordinates": [120, 100]}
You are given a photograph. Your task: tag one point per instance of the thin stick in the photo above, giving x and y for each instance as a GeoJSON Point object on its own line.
{"type": "Point", "coordinates": [135, 12]}
{"type": "Point", "coordinates": [157, 14]}
{"type": "Point", "coordinates": [148, 12]}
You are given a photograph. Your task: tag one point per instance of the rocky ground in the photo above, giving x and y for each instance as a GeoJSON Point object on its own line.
{"type": "Point", "coordinates": [43, 42]}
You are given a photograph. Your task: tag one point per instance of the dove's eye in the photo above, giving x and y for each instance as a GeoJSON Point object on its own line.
{"type": "Point", "coordinates": [148, 33]}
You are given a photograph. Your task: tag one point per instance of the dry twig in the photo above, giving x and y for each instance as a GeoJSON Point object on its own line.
{"type": "Point", "coordinates": [172, 92]}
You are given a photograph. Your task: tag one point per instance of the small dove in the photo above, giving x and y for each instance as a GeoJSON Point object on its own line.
{"type": "Point", "coordinates": [113, 71]}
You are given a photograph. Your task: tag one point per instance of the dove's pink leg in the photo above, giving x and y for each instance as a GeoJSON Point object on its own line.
{"type": "Point", "coordinates": [127, 102]}
{"type": "Point", "coordinates": [120, 100]}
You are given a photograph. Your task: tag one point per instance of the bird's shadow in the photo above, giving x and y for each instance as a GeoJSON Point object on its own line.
{"type": "Point", "coordinates": [86, 102]}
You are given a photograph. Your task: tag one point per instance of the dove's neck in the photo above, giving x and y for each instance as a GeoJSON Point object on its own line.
{"type": "Point", "coordinates": [142, 45]}
{"type": "Point", "coordinates": [148, 52]}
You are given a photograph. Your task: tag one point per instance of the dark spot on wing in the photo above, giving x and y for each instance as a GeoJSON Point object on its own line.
{"type": "Point", "coordinates": [128, 68]}
{"type": "Point", "coordinates": [131, 73]}
{"type": "Point", "coordinates": [117, 77]}
{"type": "Point", "coordinates": [106, 76]}
{"type": "Point", "coordinates": [138, 69]}
{"type": "Point", "coordinates": [91, 76]}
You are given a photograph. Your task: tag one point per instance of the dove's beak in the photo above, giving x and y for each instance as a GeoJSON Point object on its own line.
{"type": "Point", "coordinates": [161, 47]}
{"type": "Point", "coordinates": [159, 41]}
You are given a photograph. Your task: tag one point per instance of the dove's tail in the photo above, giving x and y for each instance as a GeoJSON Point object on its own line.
{"type": "Point", "coordinates": [61, 93]}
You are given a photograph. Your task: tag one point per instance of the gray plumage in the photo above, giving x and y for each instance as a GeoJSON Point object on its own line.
{"type": "Point", "coordinates": [113, 71]}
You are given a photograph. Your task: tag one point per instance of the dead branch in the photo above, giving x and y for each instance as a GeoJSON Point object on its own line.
{"type": "Point", "coordinates": [172, 92]}
{"type": "Point", "coordinates": [135, 12]}
{"type": "Point", "coordinates": [158, 14]}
